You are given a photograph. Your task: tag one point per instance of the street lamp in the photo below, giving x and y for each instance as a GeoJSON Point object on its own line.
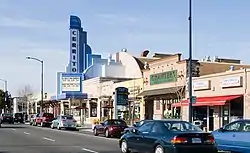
{"type": "Point", "coordinates": [190, 117]}
{"type": "Point", "coordinates": [41, 61]}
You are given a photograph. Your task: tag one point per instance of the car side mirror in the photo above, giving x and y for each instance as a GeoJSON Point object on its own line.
{"type": "Point", "coordinates": [135, 131]}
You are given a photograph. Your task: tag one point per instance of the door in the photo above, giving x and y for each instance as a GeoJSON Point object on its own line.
{"type": "Point", "coordinates": [137, 141]}
{"type": "Point", "coordinates": [149, 139]}
{"type": "Point", "coordinates": [242, 137]}
{"type": "Point", "coordinates": [226, 139]}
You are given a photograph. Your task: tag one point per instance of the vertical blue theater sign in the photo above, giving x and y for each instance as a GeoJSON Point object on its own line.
{"type": "Point", "coordinates": [121, 99]}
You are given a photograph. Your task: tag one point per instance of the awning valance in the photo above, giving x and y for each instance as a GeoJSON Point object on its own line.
{"type": "Point", "coordinates": [208, 101]}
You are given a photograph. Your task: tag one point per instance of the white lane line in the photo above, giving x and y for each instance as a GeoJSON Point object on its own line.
{"type": "Point", "coordinates": [48, 139]}
{"type": "Point", "coordinates": [76, 133]}
{"type": "Point", "coordinates": [26, 133]}
{"type": "Point", "coordinates": [88, 150]}
{"type": "Point", "coordinates": [13, 129]}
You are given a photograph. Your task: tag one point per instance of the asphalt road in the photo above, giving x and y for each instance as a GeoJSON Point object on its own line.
{"type": "Point", "coordinates": [28, 139]}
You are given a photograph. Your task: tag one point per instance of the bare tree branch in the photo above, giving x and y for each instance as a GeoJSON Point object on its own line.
{"type": "Point", "coordinates": [25, 93]}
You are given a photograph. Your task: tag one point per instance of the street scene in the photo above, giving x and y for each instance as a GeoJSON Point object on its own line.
{"type": "Point", "coordinates": [157, 77]}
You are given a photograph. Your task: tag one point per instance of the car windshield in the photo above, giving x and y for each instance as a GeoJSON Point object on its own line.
{"type": "Point", "coordinates": [48, 115]}
{"type": "Point", "coordinates": [7, 115]}
{"type": "Point", "coordinates": [181, 126]}
{"type": "Point", "coordinates": [117, 122]}
{"type": "Point", "coordinates": [67, 117]}
{"type": "Point", "coordinates": [18, 114]}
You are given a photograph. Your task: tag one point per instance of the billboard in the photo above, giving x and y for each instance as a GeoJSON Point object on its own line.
{"type": "Point", "coordinates": [69, 82]}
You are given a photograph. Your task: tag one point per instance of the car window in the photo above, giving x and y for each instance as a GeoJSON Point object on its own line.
{"type": "Point", "coordinates": [48, 115]}
{"type": "Point", "coordinates": [116, 122]}
{"type": "Point", "coordinates": [105, 123]}
{"type": "Point", "coordinates": [146, 127]}
{"type": "Point", "coordinates": [157, 128]}
{"type": "Point", "coordinates": [181, 126]}
{"type": "Point", "coordinates": [233, 127]}
{"type": "Point", "coordinates": [7, 115]}
{"type": "Point", "coordinates": [67, 117]}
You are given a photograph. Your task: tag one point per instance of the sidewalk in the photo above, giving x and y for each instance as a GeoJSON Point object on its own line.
{"type": "Point", "coordinates": [85, 127]}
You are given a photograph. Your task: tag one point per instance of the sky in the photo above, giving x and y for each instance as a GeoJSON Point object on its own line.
{"type": "Point", "coordinates": [41, 29]}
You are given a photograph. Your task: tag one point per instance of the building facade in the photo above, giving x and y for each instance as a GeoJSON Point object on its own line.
{"type": "Point", "coordinates": [220, 98]}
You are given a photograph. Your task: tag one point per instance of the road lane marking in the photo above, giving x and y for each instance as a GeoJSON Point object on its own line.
{"type": "Point", "coordinates": [13, 129]}
{"type": "Point", "coordinates": [48, 139]}
{"type": "Point", "coordinates": [88, 150]}
{"type": "Point", "coordinates": [76, 133]}
{"type": "Point", "coordinates": [26, 133]}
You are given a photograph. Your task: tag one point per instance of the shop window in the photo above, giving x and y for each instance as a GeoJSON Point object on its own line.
{"type": "Point", "coordinates": [157, 105]}
{"type": "Point", "coordinates": [93, 109]}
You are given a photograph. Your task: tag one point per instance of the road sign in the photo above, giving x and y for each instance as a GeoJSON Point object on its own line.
{"type": "Point", "coordinates": [193, 99]}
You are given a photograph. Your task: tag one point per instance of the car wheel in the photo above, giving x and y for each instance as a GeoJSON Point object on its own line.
{"type": "Point", "coordinates": [107, 133]}
{"type": "Point", "coordinates": [95, 132]}
{"type": "Point", "coordinates": [58, 127]}
{"type": "Point", "coordinates": [159, 149]}
{"type": "Point", "coordinates": [124, 147]}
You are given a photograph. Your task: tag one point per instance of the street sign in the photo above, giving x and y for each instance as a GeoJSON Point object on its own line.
{"type": "Point", "coordinates": [193, 99]}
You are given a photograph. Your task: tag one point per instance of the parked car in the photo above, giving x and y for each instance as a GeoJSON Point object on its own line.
{"type": "Point", "coordinates": [167, 136]}
{"type": "Point", "coordinates": [33, 119]}
{"type": "Point", "coordinates": [7, 118]}
{"type": "Point", "coordinates": [64, 121]}
{"type": "Point", "coordinates": [44, 119]}
{"type": "Point", "coordinates": [234, 137]}
{"type": "Point", "coordinates": [110, 128]}
{"type": "Point", "coordinates": [18, 118]}
{"type": "Point", "coordinates": [136, 125]}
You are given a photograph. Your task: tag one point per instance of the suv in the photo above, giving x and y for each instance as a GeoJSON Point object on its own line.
{"type": "Point", "coordinates": [18, 118]}
{"type": "Point", "coordinates": [44, 119]}
{"type": "Point", "coordinates": [7, 118]}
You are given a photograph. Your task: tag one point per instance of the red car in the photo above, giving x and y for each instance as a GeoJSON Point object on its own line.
{"type": "Point", "coordinates": [110, 128]}
{"type": "Point", "coordinates": [44, 119]}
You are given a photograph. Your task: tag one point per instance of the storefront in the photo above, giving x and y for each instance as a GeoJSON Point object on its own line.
{"type": "Point", "coordinates": [164, 84]}
{"type": "Point", "coordinates": [220, 98]}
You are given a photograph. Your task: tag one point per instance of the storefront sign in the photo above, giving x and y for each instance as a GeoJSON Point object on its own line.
{"type": "Point", "coordinates": [74, 50]}
{"type": "Point", "coordinates": [164, 77]}
{"type": "Point", "coordinates": [134, 90]}
{"type": "Point", "coordinates": [201, 85]}
{"type": "Point", "coordinates": [71, 83]}
{"type": "Point", "coordinates": [231, 82]}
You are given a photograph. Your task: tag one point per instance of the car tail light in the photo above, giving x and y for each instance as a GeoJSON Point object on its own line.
{"type": "Point", "coordinates": [179, 140]}
{"type": "Point", "coordinates": [209, 139]}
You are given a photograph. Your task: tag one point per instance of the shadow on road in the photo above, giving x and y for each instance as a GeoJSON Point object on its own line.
{"type": "Point", "coordinates": [11, 127]}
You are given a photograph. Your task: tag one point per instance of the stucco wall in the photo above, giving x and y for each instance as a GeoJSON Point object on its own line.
{"type": "Point", "coordinates": [131, 66]}
{"type": "Point", "coordinates": [160, 66]}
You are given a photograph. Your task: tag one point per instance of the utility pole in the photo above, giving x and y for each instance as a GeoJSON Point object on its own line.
{"type": "Point", "coordinates": [190, 64]}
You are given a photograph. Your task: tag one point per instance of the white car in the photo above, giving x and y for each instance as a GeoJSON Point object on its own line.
{"type": "Point", "coordinates": [64, 121]}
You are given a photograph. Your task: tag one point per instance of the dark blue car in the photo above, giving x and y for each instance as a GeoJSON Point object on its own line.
{"type": "Point", "coordinates": [234, 137]}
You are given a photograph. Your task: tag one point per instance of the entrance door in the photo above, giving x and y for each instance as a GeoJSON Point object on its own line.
{"type": "Point", "coordinates": [149, 109]}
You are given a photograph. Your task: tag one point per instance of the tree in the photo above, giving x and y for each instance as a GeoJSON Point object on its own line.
{"type": "Point", "coordinates": [25, 95]}
{"type": "Point", "coordinates": [2, 99]}
{"type": "Point", "coordinates": [180, 92]}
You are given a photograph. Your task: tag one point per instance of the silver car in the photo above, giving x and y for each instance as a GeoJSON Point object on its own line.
{"type": "Point", "coordinates": [64, 121]}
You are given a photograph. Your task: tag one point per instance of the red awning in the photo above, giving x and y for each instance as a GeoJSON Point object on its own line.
{"type": "Point", "coordinates": [209, 101]}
